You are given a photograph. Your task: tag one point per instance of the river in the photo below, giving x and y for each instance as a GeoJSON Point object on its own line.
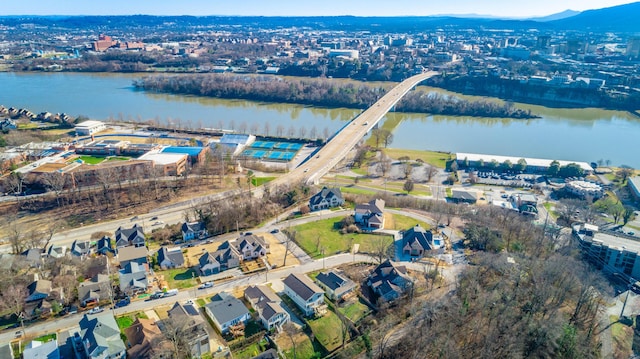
{"type": "Point", "coordinates": [568, 134]}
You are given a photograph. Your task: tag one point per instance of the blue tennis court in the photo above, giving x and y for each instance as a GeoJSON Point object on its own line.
{"type": "Point", "coordinates": [263, 144]}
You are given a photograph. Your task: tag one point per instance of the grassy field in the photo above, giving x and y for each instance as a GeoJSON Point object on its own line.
{"type": "Point", "coordinates": [357, 191]}
{"type": "Point", "coordinates": [259, 181]}
{"type": "Point", "coordinates": [328, 237]}
{"type": "Point", "coordinates": [355, 311]}
{"type": "Point", "coordinates": [125, 322]}
{"type": "Point", "coordinates": [622, 336]}
{"type": "Point", "coordinates": [304, 347]}
{"type": "Point", "coordinates": [46, 338]}
{"type": "Point", "coordinates": [438, 159]}
{"type": "Point", "coordinates": [92, 160]}
{"type": "Point", "coordinates": [327, 330]}
{"type": "Point", "coordinates": [118, 158]}
{"type": "Point", "coordinates": [179, 278]}
{"type": "Point", "coordinates": [399, 222]}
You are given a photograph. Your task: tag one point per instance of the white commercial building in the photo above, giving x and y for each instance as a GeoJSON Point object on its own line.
{"type": "Point", "coordinates": [88, 128]}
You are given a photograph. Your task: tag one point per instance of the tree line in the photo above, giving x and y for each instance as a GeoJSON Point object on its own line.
{"type": "Point", "coordinates": [321, 92]}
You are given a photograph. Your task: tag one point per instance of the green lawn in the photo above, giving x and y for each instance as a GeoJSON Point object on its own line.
{"type": "Point", "coordinates": [259, 181]}
{"type": "Point", "coordinates": [362, 171]}
{"type": "Point", "coordinates": [92, 160]}
{"type": "Point", "coordinates": [438, 159]}
{"type": "Point", "coordinates": [118, 158]}
{"type": "Point", "coordinates": [248, 352]}
{"type": "Point", "coordinates": [46, 338]}
{"type": "Point", "coordinates": [355, 311]}
{"type": "Point", "coordinates": [125, 322]}
{"type": "Point", "coordinates": [180, 278]}
{"type": "Point", "coordinates": [304, 349]}
{"type": "Point", "coordinates": [331, 240]}
{"type": "Point", "coordinates": [621, 334]}
{"type": "Point", "coordinates": [404, 222]}
{"type": "Point", "coordinates": [357, 191]}
{"type": "Point", "coordinates": [327, 330]}
{"type": "Point", "coordinates": [201, 302]}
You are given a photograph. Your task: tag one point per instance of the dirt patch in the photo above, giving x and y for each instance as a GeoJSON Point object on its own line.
{"type": "Point", "coordinates": [277, 250]}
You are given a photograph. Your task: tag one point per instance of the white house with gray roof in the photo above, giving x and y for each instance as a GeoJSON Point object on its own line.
{"type": "Point", "coordinates": [225, 311]}
{"type": "Point", "coordinates": [335, 284]}
{"type": "Point", "coordinates": [268, 305]}
{"type": "Point", "coordinates": [326, 198]}
{"type": "Point", "coordinates": [306, 294]}
{"type": "Point", "coordinates": [98, 338]}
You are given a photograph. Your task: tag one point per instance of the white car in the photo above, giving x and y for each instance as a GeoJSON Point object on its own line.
{"type": "Point", "coordinates": [206, 285]}
{"type": "Point", "coordinates": [95, 310]}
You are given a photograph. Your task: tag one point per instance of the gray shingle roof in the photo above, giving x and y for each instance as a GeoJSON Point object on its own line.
{"type": "Point", "coordinates": [225, 307]}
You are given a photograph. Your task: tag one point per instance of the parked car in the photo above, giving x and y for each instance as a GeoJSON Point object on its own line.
{"type": "Point", "coordinates": [156, 295]}
{"type": "Point", "coordinates": [170, 293]}
{"type": "Point", "coordinates": [154, 218]}
{"type": "Point", "coordinates": [73, 310]}
{"type": "Point", "coordinates": [123, 302]}
{"type": "Point", "coordinates": [275, 231]}
{"type": "Point", "coordinates": [95, 310]}
{"type": "Point", "coordinates": [206, 285]}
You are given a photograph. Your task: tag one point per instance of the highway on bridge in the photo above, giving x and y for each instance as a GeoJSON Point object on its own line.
{"type": "Point", "coordinates": [339, 146]}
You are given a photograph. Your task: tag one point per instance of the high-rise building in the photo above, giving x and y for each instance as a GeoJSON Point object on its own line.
{"type": "Point", "coordinates": [633, 47]}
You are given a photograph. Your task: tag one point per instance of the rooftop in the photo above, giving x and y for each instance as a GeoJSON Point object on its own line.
{"type": "Point", "coordinates": [538, 162]}
{"type": "Point", "coordinates": [191, 151]}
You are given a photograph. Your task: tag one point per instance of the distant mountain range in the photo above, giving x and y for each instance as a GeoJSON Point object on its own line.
{"type": "Point", "coordinates": [622, 18]}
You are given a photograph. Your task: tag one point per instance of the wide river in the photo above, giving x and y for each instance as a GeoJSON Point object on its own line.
{"type": "Point", "coordinates": [568, 134]}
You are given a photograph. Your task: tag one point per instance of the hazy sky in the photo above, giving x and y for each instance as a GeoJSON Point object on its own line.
{"type": "Point", "coordinates": [511, 8]}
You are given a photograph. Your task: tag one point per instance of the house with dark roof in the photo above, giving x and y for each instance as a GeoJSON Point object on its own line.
{"type": "Point", "coordinates": [33, 257]}
{"type": "Point", "coordinates": [80, 248]}
{"type": "Point", "coordinates": [133, 278]}
{"type": "Point", "coordinates": [94, 290]}
{"type": "Point", "coordinates": [133, 236]}
{"type": "Point", "coordinates": [389, 281]}
{"type": "Point", "coordinates": [104, 246]}
{"type": "Point", "coordinates": [142, 336]}
{"type": "Point", "coordinates": [463, 195]}
{"type": "Point", "coordinates": [208, 265]}
{"type": "Point", "coordinates": [170, 258]}
{"type": "Point", "coordinates": [192, 325]}
{"type": "Point", "coordinates": [370, 215]}
{"type": "Point", "coordinates": [39, 289]}
{"type": "Point", "coordinates": [193, 230]}
{"type": "Point", "coordinates": [225, 311]}
{"type": "Point", "coordinates": [306, 294]}
{"type": "Point", "coordinates": [335, 284]}
{"type": "Point", "coordinates": [133, 254]}
{"type": "Point", "coordinates": [268, 354]}
{"type": "Point", "coordinates": [99, 338]}
{"type": "Point", "coordinates": [326, 198]}
{"type": "Point", "coordinates": [228, 256]}
{"type": "Point", "coordinates": [417, 241]}
{"type": "Point", "coordinates": [268, 306]}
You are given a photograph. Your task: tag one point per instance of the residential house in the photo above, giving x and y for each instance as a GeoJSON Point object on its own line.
{"type": "Point", "coordinates": [251, 246]}
{"type": "Point", "coordinates": [268, 354]}
{"type": "Point", "coordinates": [133, 236]}
{"type": "Point", "coordinates": [208, 265]}
{"type": "Point", "coordinates": [370, 215]}
{"type": "Point", "coordinates": [170, 258]}
{"type": "Point", "coordinates": [228, 256]}
{"type": "Point", "coordinates": [94, 290]}
{"type": "Point", "coordinates": [56, 251]}
{"type": "Point", "coordinates": [7, 124]}
{"type": "Point", "coordinates": [80, 248]}
{"type": "Point", "coordinates": [6, 350]}
{"type": "Point", "coordinates": [225, 311]}
{"type": "Point", "coordinates": [193, 230]}
{"type": "Point", "coordinates": [268, 306]}
{"type": "Point", "coordinates": [326, 198]}
{"type": "Point", "coordinates": [306, 294]}
{"type": "Point", "coordinates": [41, 350]}
{"type": "Point", "coordinates": [133, 278]}
{"type": "Point", "coordinates": [417, 241]}
{"type": "Point", "coordinates": [463, 195]}
{"type": "Point", "coordinates": [98, 338]}
{"type": "Point", "coordinates": [105, 246]}
{"type": "Point", "coordinates": [133, 254]}
{"type": "Point", "coordinates": [389, 281]}
{"type": "Point", "coordinates": [33, 257]}
{"type": "Point", "coordinates": [39, 289]}
{"type": "Point", "coordinates": [192, 325]}
{"type": "Point", "coordinates": [143, 340]}
{"type": "Point", "coordinates": [335, 284]}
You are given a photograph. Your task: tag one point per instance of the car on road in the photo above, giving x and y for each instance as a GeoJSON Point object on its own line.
{"type": "Point", "coordinates": [72, 310]}
{"type": "Point", "coordinates": [95, 310]}
{"type": "Point", "coordinates": [170, 293]}
{"type": "Point", "coordinates": [156, 295]}
{"type": "Point", "coordinates": [154, 218]}
{"type": "Point", "coordinates": [206, 285]}
{"type": "Point", "coordinates": [306, 170]}
{"type": "Point", "coordinates": [19, 334]}
{"type": "Point", "coordinates": [123, 302]}
{"type": "Point", "coordinates": [275, 231]}
{"type": "Point", "coordinates": [158, 223]}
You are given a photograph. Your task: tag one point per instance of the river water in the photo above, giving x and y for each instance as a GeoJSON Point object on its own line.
{"type": "Point", "coordinates": [568, 134]}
